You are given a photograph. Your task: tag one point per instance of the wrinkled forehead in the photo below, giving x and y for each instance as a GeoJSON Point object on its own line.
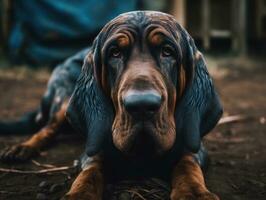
{"type": "Point", "coordinates": [141, 22]}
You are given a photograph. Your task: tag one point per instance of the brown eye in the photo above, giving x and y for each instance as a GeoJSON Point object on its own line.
{"type": "Point", "coordinates": [167, 51]}
{"type": "Point", "coordinates": [115, 52]}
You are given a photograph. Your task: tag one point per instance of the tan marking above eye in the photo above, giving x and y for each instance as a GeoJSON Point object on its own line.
{"type": "Point", "coordinates": [157, 35]}
{"type": "Point", "coordinates": [123, 41]}
{"type": "Point", "coordinates": [156, 39]}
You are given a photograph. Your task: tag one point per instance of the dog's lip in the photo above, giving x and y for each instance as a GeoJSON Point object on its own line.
{"type": "Point", "coordinates": [142, 143]}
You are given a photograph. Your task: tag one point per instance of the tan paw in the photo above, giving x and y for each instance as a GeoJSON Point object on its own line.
{"type": "Point", "coordinates": [208, 196]}
{"type": "Point", "coordinates": [190, 196]}
{"type": "Point", "coordinates": [18, 153]}
{"type": "Point", "coordinates": [80, 196]}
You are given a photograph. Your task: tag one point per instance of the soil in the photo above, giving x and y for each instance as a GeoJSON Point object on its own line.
{"type": "Point", "coordinates": [237, 170]}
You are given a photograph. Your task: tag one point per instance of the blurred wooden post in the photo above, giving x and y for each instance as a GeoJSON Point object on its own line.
{"type": "Point", "coordinates": [6, 9]}
{"type": "Point", "coordinates": [260, 15]}
{"type": "Point", "coordinates": [242, 27]}
{"type": "Point", "coordinates": [179, 11]}
{"type": "Point", "coordinates": [239, 17]}
{"type": "Point", "coordinates": [206, 24]}
{"type": "Point", "coordinates": [234, 24]}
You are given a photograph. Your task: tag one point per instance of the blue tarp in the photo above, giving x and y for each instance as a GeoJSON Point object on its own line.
{"type": "Point", "coordinates": [48, 31]}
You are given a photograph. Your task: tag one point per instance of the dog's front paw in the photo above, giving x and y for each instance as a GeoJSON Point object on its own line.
{"type": "Point", "coordinates": [208, 196]}
{"type": "Point", "coordinates": [175, 195]}
{"type": "Point", "coordinates": [80, 196]}
{"type": "Point", "coordinates": [19, 152]}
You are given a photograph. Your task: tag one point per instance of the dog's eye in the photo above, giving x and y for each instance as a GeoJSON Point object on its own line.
{"type": "Point", "coordinates": [167, 51]}
{"type": "Point", "coordinates": [115, 52]}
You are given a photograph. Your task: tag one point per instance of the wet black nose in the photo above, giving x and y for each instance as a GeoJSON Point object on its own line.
{"type": "Point", "coordinates": [142, 103]}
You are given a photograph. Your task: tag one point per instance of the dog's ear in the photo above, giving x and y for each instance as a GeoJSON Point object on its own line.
{"type": "Point", "coordinates": [199, 109]}
{"type": "Point", "coordinates": [90, 111]}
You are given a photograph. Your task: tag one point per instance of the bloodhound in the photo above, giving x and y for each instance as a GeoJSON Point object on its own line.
{"type": "Point", "coordinates": [144, 99]}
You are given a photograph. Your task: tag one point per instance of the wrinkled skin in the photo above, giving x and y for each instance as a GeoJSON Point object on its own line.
{"type": "Point", "coordinates": [140, 69]}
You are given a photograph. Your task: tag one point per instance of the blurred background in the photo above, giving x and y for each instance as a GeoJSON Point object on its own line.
{"type": "Point", "coordinates": [37, 35]}
{"type": "Point", "coordinates": [46, 32]}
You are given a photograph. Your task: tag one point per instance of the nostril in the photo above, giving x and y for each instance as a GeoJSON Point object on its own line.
{"type": "Point", "coordinates": [142, 102]}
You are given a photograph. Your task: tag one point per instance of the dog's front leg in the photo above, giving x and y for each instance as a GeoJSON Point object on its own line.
{"type": "Point", "coordinates": [89, 183]}
{"type": "Point", "coordinates": [188, 181]}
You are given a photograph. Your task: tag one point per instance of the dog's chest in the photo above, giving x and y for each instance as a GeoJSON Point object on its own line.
{"type": "Point", "coordinates": [121, 167]}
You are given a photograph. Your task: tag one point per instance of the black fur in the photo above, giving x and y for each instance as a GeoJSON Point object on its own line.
{"type": "Point", "coordinates": [25, 125]}
{"type": "Point", "coordinates": [90, 111]}
{"type": "Point", "coordinates": [199, 109]}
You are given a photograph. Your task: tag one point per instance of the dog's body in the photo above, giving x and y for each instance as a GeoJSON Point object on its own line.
{"type": "Point", "coordinates": [144, 99]}
{"type": "Point", "coordinates": [49, 117]}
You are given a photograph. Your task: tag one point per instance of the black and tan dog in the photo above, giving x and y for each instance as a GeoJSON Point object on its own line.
{"type": "Point", "coordinates": [144, 99]}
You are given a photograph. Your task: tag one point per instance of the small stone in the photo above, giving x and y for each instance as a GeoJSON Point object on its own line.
{"type": "Point", "coordinates": [43, 184]}
{"type": "Point", "coordinates": [213, 148]}
{"type": "Point", "coordinates": [229, 132]}
{"type": "Point", "coordinates": [262, 120]}
{"type": "Point", "coordinates": [41, 196]}
{"type": "Point", "coordinates": [55, 188]}
{"type": "Point", "coordinates": [124, 196]}
{"type": "Point", "coordinates": [220, 162]}
{"type": "Point", "coordinates": [232, 163]}
{"type": "Point", "coordinates": [76, 163]}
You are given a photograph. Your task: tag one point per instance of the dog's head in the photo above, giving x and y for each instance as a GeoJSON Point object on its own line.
{"type": "Point", "coordinates": [143, 83]}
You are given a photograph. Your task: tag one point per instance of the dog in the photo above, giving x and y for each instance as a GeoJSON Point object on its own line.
{"type": "Point", "coordinates": [144, 99]}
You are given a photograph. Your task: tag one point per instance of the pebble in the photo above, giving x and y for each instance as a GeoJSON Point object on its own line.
{"type": "Point", "coordinates": [220, 162]}
{"type": "Point", "coordinates": [43, 184]}
{"type": "Point", "coordinates": [124, 196]}
{"type": "Point", "coordinates": [41, 196]}
{"type": "Point", "coordinates": [55, 188]}
{"type": "Point", "coordinates": [232, 163]}
{"type": "Point", "coordinates": [76, 163]}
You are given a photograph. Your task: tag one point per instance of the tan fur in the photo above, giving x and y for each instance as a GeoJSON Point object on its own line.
{"type": "Point", "coordinates": [188, 181]}
{"type": "Point", "coordinates": [88, 184]}
{"type": "Point", "coordinates": [38, 141]}
{"type": "Point", "coordinates": [42, 138]}
{"type": "Point", "coordinates": [155, 38]}
{"type": "Point", "coordinates": [182, 81]}
{"type": "Point", "coordinates": [123, 41]}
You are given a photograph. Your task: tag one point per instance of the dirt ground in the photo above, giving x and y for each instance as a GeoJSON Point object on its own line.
{"type": "Point", "coordinates": [237, 169]}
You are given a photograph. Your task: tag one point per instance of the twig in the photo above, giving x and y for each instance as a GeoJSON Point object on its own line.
{"type": "Point", "coordinates": [51, 166]}
{"type": "Point", "coordinates": [136, 193]}
{"type": "Point", "coordinates": [43, 171]}
{"type": "Point", "coordinates": [5, 192]}
{"type": "Point", "coordinates": [231, 119]}
{"type": "Point", "coordinates": [42, 165]}
{"type": "Point", "coordinates": [156, 181]}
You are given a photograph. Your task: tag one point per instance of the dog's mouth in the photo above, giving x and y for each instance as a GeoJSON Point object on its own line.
{"type": "Point", "coordinates": [142, 143]}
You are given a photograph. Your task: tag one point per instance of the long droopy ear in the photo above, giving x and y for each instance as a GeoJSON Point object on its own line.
{"type": "Point", "coordinates": [90, 111]}
{"type": "Point", "coordinates": [199, 109]}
